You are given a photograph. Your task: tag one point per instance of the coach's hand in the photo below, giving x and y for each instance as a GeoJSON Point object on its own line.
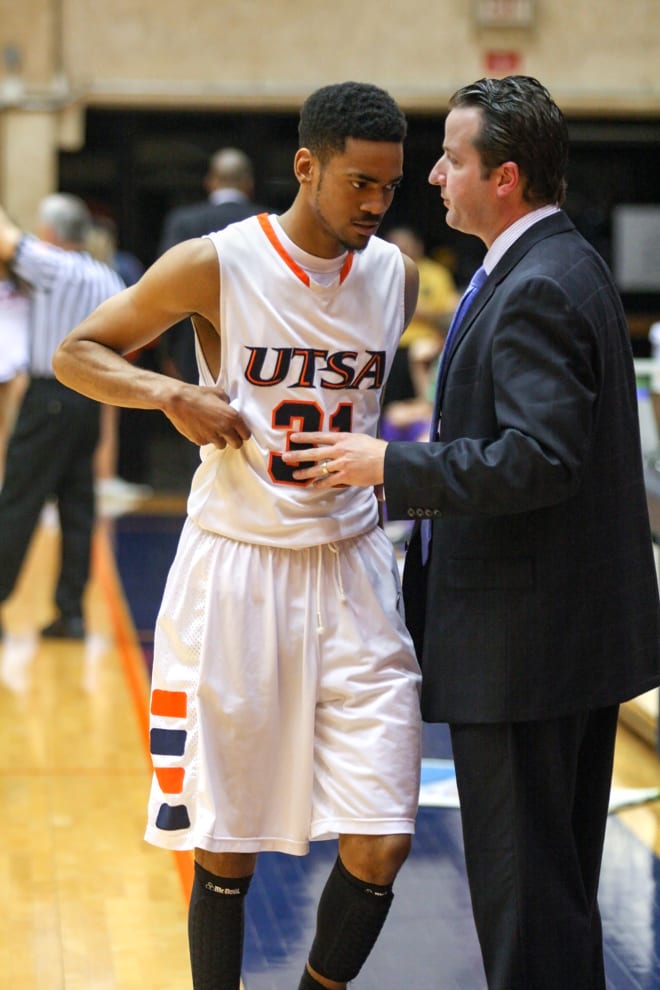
{"type": "Point", "coordinates": [338, 459]}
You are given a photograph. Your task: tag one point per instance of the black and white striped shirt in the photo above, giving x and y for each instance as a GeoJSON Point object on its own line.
{"type": "Point", "coordinates": [65, 287]}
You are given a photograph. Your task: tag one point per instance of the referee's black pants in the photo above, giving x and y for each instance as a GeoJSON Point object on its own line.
{"type": "Point", "coordinates": [50, 455]}
{"type": "Point", "coordinates": [534, 800]}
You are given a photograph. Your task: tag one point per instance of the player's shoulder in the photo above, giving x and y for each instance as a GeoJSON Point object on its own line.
{"type": "Point", "coordinates": [186, 257]}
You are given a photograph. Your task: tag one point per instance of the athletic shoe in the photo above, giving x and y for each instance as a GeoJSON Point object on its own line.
{"type": "Point", "coordinates": [65, 627]}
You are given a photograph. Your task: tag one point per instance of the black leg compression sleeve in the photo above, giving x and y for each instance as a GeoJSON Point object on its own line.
{"type": "Point", "coordinates": [350, 916]}
{"type": "Point", "coordinates": [215, 930]}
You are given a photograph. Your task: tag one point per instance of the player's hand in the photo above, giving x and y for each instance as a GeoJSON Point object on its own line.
{"type": "Point", "coordinates": [338, 459]}
{"type": "Point", "coordinates": [204, 415]}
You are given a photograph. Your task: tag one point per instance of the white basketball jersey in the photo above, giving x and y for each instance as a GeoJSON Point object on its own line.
{"type": "Point", "coordinates": [296, 355]}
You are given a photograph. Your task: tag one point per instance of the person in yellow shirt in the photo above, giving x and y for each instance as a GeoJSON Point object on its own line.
{"type": "Point", "coordinates": [407, 406]}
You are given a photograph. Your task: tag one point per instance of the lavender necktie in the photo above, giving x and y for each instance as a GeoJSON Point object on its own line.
{"type": "Point", "coordinates": [475, 284]}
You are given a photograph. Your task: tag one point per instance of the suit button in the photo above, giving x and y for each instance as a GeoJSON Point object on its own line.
{"type": "Point", "coordinates": [436, 513]}
{"type": "Point", "coordinates": [411, 513]}
{"type": "Point", "coordinates": [429, 513]}
{"type": "Point", "coordinates": [419, 512]}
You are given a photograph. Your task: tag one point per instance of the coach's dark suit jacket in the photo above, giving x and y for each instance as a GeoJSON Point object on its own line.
{"type": "Point", "coordinates": [540, 596]}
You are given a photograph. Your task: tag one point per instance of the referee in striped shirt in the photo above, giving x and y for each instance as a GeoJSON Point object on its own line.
{"type": "Point", "coordinates": [50, 453]}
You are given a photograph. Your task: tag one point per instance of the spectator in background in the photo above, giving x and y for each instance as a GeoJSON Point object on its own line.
{"type": "Point", "coordinates": [13, 355]}
{"type": "Point", "coordinates": [229, 183]}
{"type": "Point", "coordinates": [50, 452]}
{"type": "Point", "coordinates": [407, 406]}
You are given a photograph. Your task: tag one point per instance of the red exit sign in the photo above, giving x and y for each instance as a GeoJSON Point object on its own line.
{"type": "Point", "coordinates": [503, 63]}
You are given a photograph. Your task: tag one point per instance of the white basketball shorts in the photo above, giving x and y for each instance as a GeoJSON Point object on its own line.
{"type": "Point", "coordinates": [285, 697]}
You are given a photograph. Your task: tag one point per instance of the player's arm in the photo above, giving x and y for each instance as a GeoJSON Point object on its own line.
{"type": "Point", "coordinates": [184, 282]}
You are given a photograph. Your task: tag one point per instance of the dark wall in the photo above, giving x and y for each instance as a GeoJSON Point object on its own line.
{"type": "Point", "coordinates": [138, 164]}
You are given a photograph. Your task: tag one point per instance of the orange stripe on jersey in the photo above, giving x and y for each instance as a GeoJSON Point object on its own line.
{"type": "Point", "coordinates": [299, 272]}
{"type": "Point", "coordinates": [267, 228]}
{"type": "Point", "coordinates": [172, 704]}
{"type": "Point", "coordinates": [346, 267]}
{"type": "Point", "coordinates": [170, 779]}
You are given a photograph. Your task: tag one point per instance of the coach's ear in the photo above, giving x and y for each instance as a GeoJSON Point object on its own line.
{"type": "Point", "coordinates": [509, 179]}
{"type": "Point", "coordinates": [304, 165]}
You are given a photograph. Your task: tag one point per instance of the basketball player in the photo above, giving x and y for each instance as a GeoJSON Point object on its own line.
{"type": "Point", "coordinates": [285, 689]}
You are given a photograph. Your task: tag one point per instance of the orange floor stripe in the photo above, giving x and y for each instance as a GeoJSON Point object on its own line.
{"type": "Point", "coordinates": [128, 648]}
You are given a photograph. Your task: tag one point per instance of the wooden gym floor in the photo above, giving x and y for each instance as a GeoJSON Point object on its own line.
{"type": "Point", "coordinates": [88, 905]}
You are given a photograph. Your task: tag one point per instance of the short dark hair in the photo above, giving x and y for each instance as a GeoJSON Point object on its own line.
{"type": "Point", "coordinates": [349, 110]}
{"type": "Point", "coordinates": [520, 123]}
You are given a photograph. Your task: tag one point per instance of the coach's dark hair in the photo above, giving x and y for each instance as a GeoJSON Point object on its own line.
{"type": "Point", "coordinates": [348, 110]}
{"type": "Point", "coordinates": [521, 123]}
